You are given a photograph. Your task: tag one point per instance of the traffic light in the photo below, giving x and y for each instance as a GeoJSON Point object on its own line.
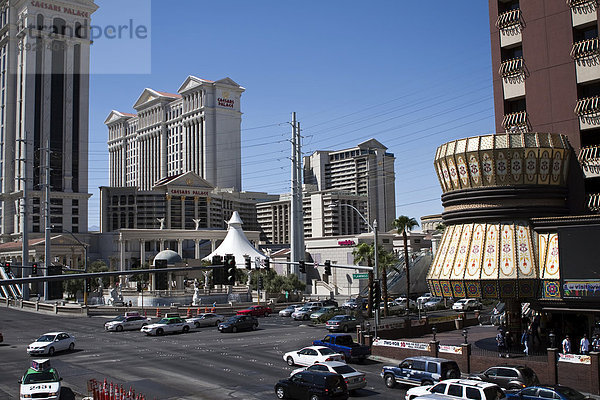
{"type": "Point", "coordinates": [260, 283]}
{"type": "Point", "coordinates": [327, 267]}
{"type": "Point", "coordinates": [230, 269]}
{"type": "Point", "coordinates": [267, 264]}
{"type": "Point", "coordinates": [302, 266]}
{"type": "Point", "coordinates": [248, 263]}
{"type": "Point", "coordinates": [88, 285]}
{"type": "Point", "coordinates": [376, 293]}
{"type": "Point", "coordinates": [218, 271]}
{"type": "Point", "coordinates": [217, 260]}
{"type": "Point", "coordinates": [34, 269]}
{"type": "Point", "coordinates": [7, 267]}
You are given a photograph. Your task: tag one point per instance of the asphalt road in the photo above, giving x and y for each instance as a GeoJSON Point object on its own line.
{"type": "Point", "coordinates": [202, 364]}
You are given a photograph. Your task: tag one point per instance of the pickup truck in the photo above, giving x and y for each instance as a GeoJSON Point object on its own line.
{"type": "Point", "coordinates": [343, 343]}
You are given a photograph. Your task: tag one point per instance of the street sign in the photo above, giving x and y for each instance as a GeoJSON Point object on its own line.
{"type": "Point", "coordinates": [360, 276]}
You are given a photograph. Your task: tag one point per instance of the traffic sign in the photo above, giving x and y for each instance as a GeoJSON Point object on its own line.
{"type": "Point", "coordinates": [360, 276]}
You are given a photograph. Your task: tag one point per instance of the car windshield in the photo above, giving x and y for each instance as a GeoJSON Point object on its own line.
{"type": "Point", "coordinates": [461, 301]}
{"type": "Point", "coordinates": [163, 321]}
{"type": "Point", "coordinates": [233, 319]}
{"type": "Point", "coordinates": [344, 369]}
{"type": "Point", "coordinates": [326, 351]}
{"type": "Point", "coordinates": [40, 377]}
{"type": "Point", "coordinates": [493, 393]}
{"type": "Point", "coordinates": [527, 373]}
{"type": "Point", "coordinates": [569, 393]}
{"type": "Point", "coordinates": [338, 318]}
{"type": "Point", "coordinates": [119, 318]}
{"type": "Point", "coordinates": [46, 338]}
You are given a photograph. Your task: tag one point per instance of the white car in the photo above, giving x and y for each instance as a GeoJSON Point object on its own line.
{"type": "Point", "coordinates": [206, 319]}
{"type": "Point", "coordinates": [401, 301]}
{"type": "Point", "coordinates": [304, 312]}
{"type": "Point", "coordinates": [287, 312]}
{"type": "Point", "coordinates": [167, 325]}
{"type": "Point", "coordinates": [435, 302]}
{"type": "Point", "coordinates": [354, 379]}
{"type": "Point", "coordinates": [129, 321]}
{"type": "Point", "coordinates": [51, 342]}
{"type": "Point", "coordinates": [312, 354]}
{"type": "Point", "coordinates": [458, 388]}
{"type": "Point", "coordinates": [466, 305]}
{"type": "Point", "coordinates": [41, 381]}
{"type": "Point", "coordinates": [424, 299]}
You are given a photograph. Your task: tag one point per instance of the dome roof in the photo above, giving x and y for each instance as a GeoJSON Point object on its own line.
{"type": "Point", "coordinates": [169, 255]}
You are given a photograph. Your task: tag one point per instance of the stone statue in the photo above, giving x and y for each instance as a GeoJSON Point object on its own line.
{"type": "Point", "coordinates": [162, 222]}
{"type": "Point", "coordinates": [196, 300]}
{"type": "Point", "coordinates": [116, 297]}
{"type": "Point", "coordinates": [197, 221]}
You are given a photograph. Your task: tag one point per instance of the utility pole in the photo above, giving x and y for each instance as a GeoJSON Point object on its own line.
{"type": "Point", "coordinates": [299, 196]}
{"type": "Point", "coordinates": [294, 231]}
{"type": "Point", "coordinates": [376, 257]}
{"type": "Point", "coordinates": [24, 226]}
{"type": "Point", "coordinates": [47, 262]}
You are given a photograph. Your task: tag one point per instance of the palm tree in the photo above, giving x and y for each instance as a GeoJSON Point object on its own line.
{"type": "Point", "coordinates": [405, 224]}
{"type": "Point", "coordinates": [364, 252]}
{"type": "Point", "coordinates": [385, 259]}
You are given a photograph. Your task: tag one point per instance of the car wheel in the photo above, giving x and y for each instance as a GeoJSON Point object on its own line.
{"type": "Point", "coordinates": [197, 324]}
{"type": "Point", "coordinates": [290, 361]}
{"type": "Point", "coordinates": [71, 346]}
{"type": "Point", "coordinates": [254, 327]}
{"type": "Point", "coordinates": [454, 374]}
{"type": "Point", "coordinates": [305, 317]}
{"type": "Point", "coordinates": [314, 397]}
{"type": "Point", "coordinates": [390, 381]}
{"type": "Point", "coordinates": [186, 329]}
{"type": "Point", "coordinates": [119, 328]}
{"type": "Point", "coordinates": [51, 351]}
{"type": "Point", "coordinates": [426, 383]}
{"type": "Point", "coordinates": [159, 332]}
{"type": "Point", "coordinates": [280, 392]}
{"type": "Point", "coordinates": [234, 329]}
{"type": "Point", "coordinates": [345, 329]}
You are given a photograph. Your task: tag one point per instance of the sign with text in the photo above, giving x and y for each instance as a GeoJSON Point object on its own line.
{"type": "Point", "coordinates": [360, 276]}
{"type": "Point", "coordinates": [574, 358]}
{"type": "Point", "coordinates": [450, 349]}
{"type": "Point", "coordinates": [402, 344]}
{"type": "Point", "coordinates": [581, 288]}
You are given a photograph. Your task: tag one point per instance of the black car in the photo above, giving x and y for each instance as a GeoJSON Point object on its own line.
{"type": "Point", "coordinates": [509, 376]}
{"type": "Point", "coordinates": [313, 385]}
{"type": "Point", "coordinates": [239, 323]}
{"type": "Point", "coordinates": [329, 302]}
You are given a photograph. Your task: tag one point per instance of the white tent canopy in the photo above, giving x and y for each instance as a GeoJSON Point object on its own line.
{"type": "Point", "coordinates": [236, 243]}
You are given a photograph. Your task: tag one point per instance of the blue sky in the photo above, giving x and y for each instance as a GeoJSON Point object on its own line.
{"type": "Point", "coordinates": [410, 74]}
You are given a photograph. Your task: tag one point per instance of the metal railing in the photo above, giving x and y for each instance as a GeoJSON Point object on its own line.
{"type": "Point", "coordinates": [510, 20]}
{"type": "Point", "coordinates": [586, 51]}
{"type": "Point", "coordinates": [583, 6]}
{"type": "Point", "coordinates": [516, 122]}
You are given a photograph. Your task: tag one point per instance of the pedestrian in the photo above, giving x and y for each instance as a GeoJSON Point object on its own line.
{"type": "Point", "coordinates": [535, 329]}
{"type": "Point", "coordinates": [508, 338]}
{"type": "Point", "coordinates": [525, 340]}
{"type": "Point", "coordinates": [130, 304]}
{"type": "Point", "coordinates": [596, 343]}
{"type": "Point", "coordinates": [566, 345]}
{"type": "Point", "coordinates": [501, 342]}
{"type": "Point", "coordinates": [584, 345]}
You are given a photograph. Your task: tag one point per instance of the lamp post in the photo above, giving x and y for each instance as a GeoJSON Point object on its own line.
{"type": "Point", "coordinates": [376, 258]}
{"type": "Point", "coordinates": [464, 333]}
{"type": "Point", "coordinates": [434, 331]}
{"type": "Point", "coordinates": [552, 338]}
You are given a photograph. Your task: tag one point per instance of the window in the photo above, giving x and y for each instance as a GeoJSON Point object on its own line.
{"type": "Point", "coordinates": [546, 394]}
{"type": "Point", "coordinates": [406, 364]}
{"type": "Point", "coordinates": [439, 388]}
{"type": "Point", "coordinates": [530, 392]}
{"type": "Point", "coordinates": [511, 373]}
{"type": "Point", "coordinates": [432, 367]}
{"type": "Point", "coordinates": [455, 390]}
{"type": "Point", "coordinates": [473, 393]}
{"type": "Point", "coordinates": [419, 365]}
{"type": "Point", "coordinates": [492, 372]}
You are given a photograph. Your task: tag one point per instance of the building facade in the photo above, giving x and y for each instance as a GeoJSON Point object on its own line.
{"type": "Point", "coordinates": [198, 130]}
{"type": "Point", "coordinates": [546, 61]}
{"type": "Point", "coordinates": [44, 85]}
{"type": "Point", "coordinates": [365, 170]}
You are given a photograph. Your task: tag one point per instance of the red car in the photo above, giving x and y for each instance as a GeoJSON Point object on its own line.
{"type": "Point", "coordinates": [256, 311]}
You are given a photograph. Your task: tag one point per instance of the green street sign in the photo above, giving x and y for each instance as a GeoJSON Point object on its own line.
{"type": "Point", "coordinates": [360, 276]}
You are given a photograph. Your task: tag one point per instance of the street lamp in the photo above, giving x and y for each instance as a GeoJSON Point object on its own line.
{"type": "Point", "coordinates": [434, 331]}
{"type": "Point", "coordinates": [552, 338]}
{"type": "Point", "coordinates": [376, 259]}
{"type": "Point", "coordinates": [464, 333]}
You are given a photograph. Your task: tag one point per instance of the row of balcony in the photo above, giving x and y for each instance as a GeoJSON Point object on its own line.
{"type": "Point", "coordinates": [594, 202]}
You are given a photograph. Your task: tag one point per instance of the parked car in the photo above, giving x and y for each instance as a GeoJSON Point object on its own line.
{"type": "Point", "coordinates": [304, 312]}
{"type": "Point", "coordinates": [343, 343]}
{"type": "Point", "coordinates": [353, 304]}
{"type": "Point", "coordinates": [420, 370]}
{"type": "Point", "coordinates": [51, 342]}
{"type": "Point", "coordinates": [424, 298]}
{"type": "Point", "coordinates": [344, 323]}
{"type": "Point", "coordinates": [354, 379]}
{"type": "Point", "coordinates": [509, 376]}
{"type": "Point", "coordinates": [256, 311]}
{"type": "Point", "coordinates": [435, 302]}
{"type": "Point", "coordinates": [129, 321]}
{"type": "Point", "coordinates": [458, 388]}
{"type": "Point", "coordinates": [322, 311]}
{"type": "Point", "coordinates": [314, 304]}
{"type": "Point", "coordinates": [467, 305]}
{"type": "Point", "coordinates": [392, 306]}
{"type": "Point", "coordinates": [313, 385]}
{"type": "Point", "coordinates": [40, 381]}
{"type": "Point", "coordinates": [287, 312]}
{"type": "Point", "coordinates": [545, 392]}
{"type": "Point", "coordinates": [312, 354]}
{"type": "Point", "coordinates": [167, 325]}
{"type": "Point", "coordinates": [206, 319]}
{"type": "Point", "coordinates": [239, 323]}
{"type": "Point", "coordinates": [401, 301]}
{"type": "Point", "coordinates": [329, 302]}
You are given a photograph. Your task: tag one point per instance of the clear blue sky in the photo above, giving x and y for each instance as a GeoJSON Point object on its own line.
{"type": "Point", "coordinates": [411, 74]}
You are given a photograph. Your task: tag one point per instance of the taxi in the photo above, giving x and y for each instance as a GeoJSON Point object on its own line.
{"type": "Point", "coordinates": [41, 381]}
{"type": "Point", "coordinates": [130, 321]}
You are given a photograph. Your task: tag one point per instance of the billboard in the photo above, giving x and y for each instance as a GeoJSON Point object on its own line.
{"type": "Point", "coordinates": [579, 252]}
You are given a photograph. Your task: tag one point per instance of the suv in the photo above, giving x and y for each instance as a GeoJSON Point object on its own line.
{"type": "Point", "coordinates": [421, 370]}
{"type": "Point", "coordinates": [509, 376]}
{"type": "Point", "coordinates": [312, 385]}
{"type": "Point", "coordinates": [461, 388]}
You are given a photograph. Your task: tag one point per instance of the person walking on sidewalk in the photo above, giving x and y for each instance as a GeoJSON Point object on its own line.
{"type": "Point", "coordinates": [584, 345]}
{"type": "Point", "coordinates": [525, 340]}
{"type": "Point", "coordinates": [596, 343]}
{"type": "Point", "coordinates": [501, 343]}
{"type": "Point", "coordinates": [566, 345]}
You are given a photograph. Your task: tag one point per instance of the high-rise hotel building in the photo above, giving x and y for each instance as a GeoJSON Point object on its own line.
{"type": "Point", "coordinates": [44, 97]}
{"type": "Point", "coordinates": [546, 55]}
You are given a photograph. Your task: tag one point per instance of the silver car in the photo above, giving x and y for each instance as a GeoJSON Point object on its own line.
{"type": "Point", "coordinates": [206, 319]}
{"type": "Point", "coordinates": [354, 379]}
{"type": "Point", "coordinates": [287, 312]}
{"type": "Point", "coordinates": [129, 321]}
{"type": "Point", "coordinates": [304, 313]}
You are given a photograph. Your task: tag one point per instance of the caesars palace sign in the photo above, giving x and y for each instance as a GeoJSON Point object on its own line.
{"type": "Point", "coordinates": [62, 9]}
{"type": "Point", "coordinates": [188, 192]}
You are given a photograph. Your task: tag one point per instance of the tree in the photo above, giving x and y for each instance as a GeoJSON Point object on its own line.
{"type": "Point", "coordinates": [364, 253]}
{"type": "Point", "coordinates": [385, 259]}
{"type": "Point", "coordinates": [405, 224]}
